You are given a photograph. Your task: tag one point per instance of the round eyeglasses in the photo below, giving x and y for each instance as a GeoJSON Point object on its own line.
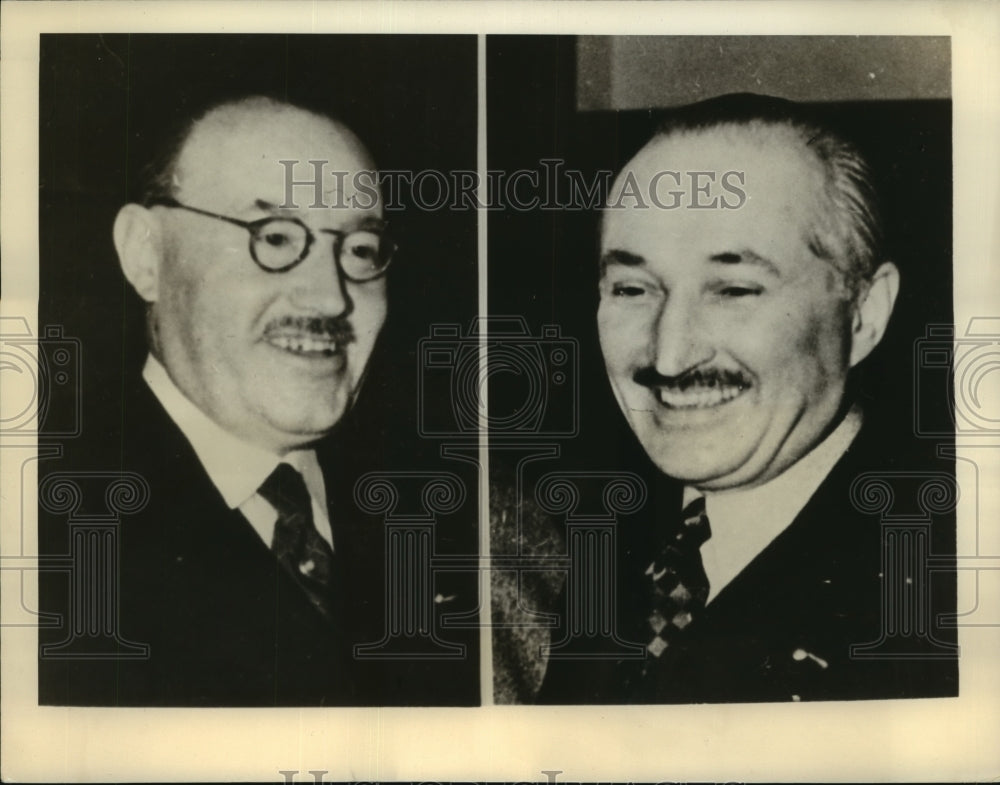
{"type": "Point", "coordinates": [279, 244]}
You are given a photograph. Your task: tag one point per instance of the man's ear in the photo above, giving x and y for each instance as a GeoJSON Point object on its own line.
{"type": "Point", "coordinates": [872, 311]}
{"type": "Point", "coordinates": [137, 241]}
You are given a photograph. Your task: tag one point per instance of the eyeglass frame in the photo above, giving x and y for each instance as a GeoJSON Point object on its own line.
{"type": "Point", "coordinates": [251, 227]}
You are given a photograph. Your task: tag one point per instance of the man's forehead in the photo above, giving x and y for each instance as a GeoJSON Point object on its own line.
{"type": "Point", "coordinates": [239, 148]}
{"type": "Point", "coordinates": [770, 151]}
{"type": "Point", "coordinates": [735, 169]}
{"type": "Point", "coordinates": [773, 216]}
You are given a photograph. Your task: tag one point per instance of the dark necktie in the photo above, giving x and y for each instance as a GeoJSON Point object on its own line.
{"type": "Point", "coordinates": [676, 585]}
{"type": "Point", "coordinates": [299, 548]}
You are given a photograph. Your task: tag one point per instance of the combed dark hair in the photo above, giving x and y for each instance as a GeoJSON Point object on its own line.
{"type": "Point", "coordinates": [156, 178]}
{"type": "Point", "coordinates": [850, 190]}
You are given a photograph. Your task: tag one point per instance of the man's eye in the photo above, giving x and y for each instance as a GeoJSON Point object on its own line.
{"type": "Point", "coordinates": [277, 239]}
{"type": "Point", "coordinates": [362, 250]}
{"type": "Point", "coordinates": [627, 290]}
{"type": "Point", "coordinates": [740, 291]}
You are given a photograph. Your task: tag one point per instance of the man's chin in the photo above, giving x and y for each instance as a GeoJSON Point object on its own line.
{"type": "Point", "coordinates": [301, 438]}
{"type": "Point", "coordinates": [299, 428]}
{"type": "Point", "coordinates": [702, 466]}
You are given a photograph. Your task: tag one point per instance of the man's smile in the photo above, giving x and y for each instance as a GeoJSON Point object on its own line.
{"type": "Point", "coordinates": [309, 336]}
{"type": "Point", "coordinates": [698, 397]}
{"type": "Point", "coordinates": [324, 346]}
{"type": "Point", "coordinates": [699, 389]}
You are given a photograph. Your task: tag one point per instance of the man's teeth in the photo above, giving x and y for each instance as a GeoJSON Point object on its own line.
{"type": "Point", "coordinates": [304, 344]}
{"type": "Point", "coordinates": [698, 398]}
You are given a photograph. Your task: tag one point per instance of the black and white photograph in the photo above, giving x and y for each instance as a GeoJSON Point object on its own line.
{"type": "Point", "coordinates": [558, 391]}
{"type": "Point", "coordinates": [737, 262]}
{"type": "Point", "coordinates": [247, 470]}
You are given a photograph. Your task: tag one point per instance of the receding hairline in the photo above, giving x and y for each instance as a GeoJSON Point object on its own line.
{"type": "Point", "coordinates": [767, 138]}
{"type": "Point", "coordinates": [157, 178]}
{"type": "Point", "coordinates": [851, 223]}
{"type": "Point", "coordinates": [261, 109]}
{"type": "Point", "coordinates": [760, 134]}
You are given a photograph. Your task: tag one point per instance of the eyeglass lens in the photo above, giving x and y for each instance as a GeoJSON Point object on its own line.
{"type": "Point", "coordinates": [279, 244]}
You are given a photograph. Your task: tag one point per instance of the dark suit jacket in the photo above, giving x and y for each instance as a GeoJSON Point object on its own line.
{"type": "Point", "coordinates": [225, 626]}
{"type": "Point", "coordinates": [816, 590]}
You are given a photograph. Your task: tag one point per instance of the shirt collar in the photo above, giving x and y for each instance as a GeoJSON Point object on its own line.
{"type": "Point", "coordinates": [235, 467]}
{"type": "Point", "coordinates": [745, 521]}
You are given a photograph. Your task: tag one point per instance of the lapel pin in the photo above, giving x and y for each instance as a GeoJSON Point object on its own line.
{"type": "Point", "coordinates": [800, 654]}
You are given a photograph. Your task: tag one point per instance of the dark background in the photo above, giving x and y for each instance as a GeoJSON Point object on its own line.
{"type": "Point", "coordinates": [106, 99]}
{"type": "Point", "coordinates": [543, 264]}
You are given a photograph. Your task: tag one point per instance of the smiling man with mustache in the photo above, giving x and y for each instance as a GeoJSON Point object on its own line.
{"type": "Point", "coordinates": [262, 313]}
{"type": "Point", "coordinates": [267, 326]}
{"type": "Point", "coordinates": [729, 334]}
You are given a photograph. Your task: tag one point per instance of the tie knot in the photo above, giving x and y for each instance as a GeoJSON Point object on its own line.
{"type": "Point", "coordinates": [694, 521]}
{"type": "Point", "coordinates": [285, 489]}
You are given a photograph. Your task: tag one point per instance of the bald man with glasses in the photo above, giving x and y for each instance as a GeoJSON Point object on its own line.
{"type": "Point", "coordinates": [261, 316]}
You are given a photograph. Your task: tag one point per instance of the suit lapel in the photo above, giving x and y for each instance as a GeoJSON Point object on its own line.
{"type": "Point", "coordinates": [206, 588]}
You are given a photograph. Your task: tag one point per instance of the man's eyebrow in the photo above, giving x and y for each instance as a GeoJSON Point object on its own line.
{"type": "Point", "coordinates": [266, 206]}
{"type": "Point", "coordinates": [616, 256]}
{"type": "Point", "coordinates": [746, 256]}
{"type": "Point", "coordinates": [368, 223]}
{"type": "Point", "coordinates": [371, 223]}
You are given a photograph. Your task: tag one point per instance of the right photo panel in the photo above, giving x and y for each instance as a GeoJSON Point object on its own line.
{"type": "Point", "coordinates": [720, 433]}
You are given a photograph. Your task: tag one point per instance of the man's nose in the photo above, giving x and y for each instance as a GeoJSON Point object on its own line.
{"type": "Point", "coordinates": [319, 285]}
{"type": "Point", "coordinates": [681, 339]}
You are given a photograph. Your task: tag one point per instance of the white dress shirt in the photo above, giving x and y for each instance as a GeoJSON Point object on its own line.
{"type": "Point", "coordinates": [745, 522]}
{"type": "Point", "coordinates": [236, 468]}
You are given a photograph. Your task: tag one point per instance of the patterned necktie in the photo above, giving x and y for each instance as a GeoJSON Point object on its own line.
{"type": "Point", "coordinates": [676, 585]}
{"type": "Point", "coordinates": [299, 548]}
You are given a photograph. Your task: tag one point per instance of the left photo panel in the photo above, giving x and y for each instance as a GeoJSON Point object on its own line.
{"type": "Point", "coordinates": [252, 252]}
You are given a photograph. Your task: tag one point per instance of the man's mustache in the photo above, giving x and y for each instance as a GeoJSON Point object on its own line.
{"type": "Point", "coordinates": [700, 377]}
{"type": "Point", "coordinates": [335, 328]}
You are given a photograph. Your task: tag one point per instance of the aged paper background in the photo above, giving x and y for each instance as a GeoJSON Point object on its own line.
{"type": "Point", "coordinates": [930, 740]}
